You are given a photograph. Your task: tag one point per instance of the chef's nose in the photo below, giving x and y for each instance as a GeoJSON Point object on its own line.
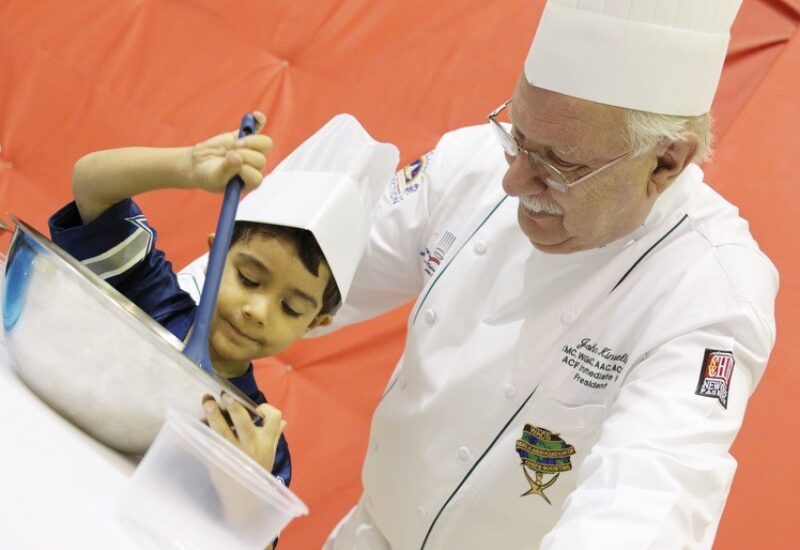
{"type": "Point", "coordinates": [522, 177]}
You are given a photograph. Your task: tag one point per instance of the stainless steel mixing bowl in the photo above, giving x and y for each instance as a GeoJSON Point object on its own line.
{"type": "Point", "coordinates": [90, 353]}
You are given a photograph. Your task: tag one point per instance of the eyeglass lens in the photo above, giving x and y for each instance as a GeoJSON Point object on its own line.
{"type": "Point", "coordinates": [512, 149]}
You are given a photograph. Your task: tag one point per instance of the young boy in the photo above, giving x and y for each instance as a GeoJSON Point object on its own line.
{"type": "Point", "coordinates": [278, 281]}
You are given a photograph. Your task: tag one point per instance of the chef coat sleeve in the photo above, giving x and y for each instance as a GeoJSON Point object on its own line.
{"type": "Point", "coordinates": [660, 472]}
{"type": "Point", "coordinates": [390, 273]}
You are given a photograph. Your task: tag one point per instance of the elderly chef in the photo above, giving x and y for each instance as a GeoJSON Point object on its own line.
{"type": "Point", "coordinates": [590, 318]}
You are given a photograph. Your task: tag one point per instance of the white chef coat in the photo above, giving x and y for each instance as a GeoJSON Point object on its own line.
{"type": "Point", "coordinates": [603, 349]}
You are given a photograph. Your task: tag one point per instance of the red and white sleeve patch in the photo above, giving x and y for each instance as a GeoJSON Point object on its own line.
{"type": "Point", "coordinates": [715, 375]}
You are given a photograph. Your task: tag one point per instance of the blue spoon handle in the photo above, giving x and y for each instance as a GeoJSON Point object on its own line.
{"type": "Point", "coordinates": [197, 347]}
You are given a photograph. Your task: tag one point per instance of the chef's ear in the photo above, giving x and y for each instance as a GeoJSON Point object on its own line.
{"type": "Point", "coordinates": [671, 158]}
{"type": "Point", "coordinates": [321, 320]}
{"type": "Point", "coordinates": [211, 240]}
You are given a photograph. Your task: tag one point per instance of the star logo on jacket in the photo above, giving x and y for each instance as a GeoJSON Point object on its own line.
{"type": "Point", "coordinates": [126, 254]}
{"type": "Point", "coordinates": [543, 453]}
{"type": "Point", "coordinates": [715, 375]}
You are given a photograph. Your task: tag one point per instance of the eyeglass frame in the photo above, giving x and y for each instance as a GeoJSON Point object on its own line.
{"type": "Point", "coordinates": [565, 185]}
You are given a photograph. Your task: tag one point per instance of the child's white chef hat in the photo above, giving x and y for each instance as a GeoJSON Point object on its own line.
{"type": "Point", "coordinates": [660, 56]}
{"type": "Point", "coordinates": [330, 186]}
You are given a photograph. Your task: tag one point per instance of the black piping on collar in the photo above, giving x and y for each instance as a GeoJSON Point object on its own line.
{"type": "Point", "coordinates": [642, 257]}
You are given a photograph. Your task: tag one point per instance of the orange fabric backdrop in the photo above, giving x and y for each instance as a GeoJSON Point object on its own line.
{"type": "Point", "coordinates": [76, 77]}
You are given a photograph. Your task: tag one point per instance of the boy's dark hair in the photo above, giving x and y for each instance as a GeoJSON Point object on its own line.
{"type": "Point", "coordinates": [307, 249]}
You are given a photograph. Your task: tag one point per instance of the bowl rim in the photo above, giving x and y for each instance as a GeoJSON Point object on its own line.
{"type": "Point", "coordinates": [123, 308]}
{"type": "Point", "coordinates": [109, 293]}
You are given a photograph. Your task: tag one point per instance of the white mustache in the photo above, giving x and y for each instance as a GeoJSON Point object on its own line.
{"type": "Point", "coordinates": [538, 204]}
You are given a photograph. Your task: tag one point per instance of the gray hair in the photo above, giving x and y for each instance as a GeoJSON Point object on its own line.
{"type": "Point", "coordinates": [645, 130]}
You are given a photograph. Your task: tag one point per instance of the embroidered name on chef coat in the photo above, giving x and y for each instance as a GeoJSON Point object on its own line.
{"type": "Point", "coordinates": [407, 181]}
{"type": "Point", "coordinates": [595, 366]}
{"type": "Point", "coordinates": [715, 375]}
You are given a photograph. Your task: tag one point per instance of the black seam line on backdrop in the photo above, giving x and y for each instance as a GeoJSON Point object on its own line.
{"type": "Point", "coordinates": [441, 272]}
{"type": "Point", "coordinates": [510, 420]}
{"type": "Point", "coordinates": [674, 227]}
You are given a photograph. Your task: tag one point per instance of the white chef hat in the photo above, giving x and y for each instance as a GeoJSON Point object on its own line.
{"type": "Point", "coordinates": [329, 185]}
{"type": "Point", "coordinates": [661, 56]}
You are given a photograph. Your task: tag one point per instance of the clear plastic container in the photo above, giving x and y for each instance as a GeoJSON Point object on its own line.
{"type": "Point", "coordinates": [194, 490]}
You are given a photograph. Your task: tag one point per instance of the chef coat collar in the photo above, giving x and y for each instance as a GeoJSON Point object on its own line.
{"type": "Point", "coordinates": [668, 202]}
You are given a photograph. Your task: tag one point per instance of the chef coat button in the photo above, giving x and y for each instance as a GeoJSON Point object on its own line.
{"type": "Point", "coordinates": [402, 382]}
{"type": "Point", "coordinates": [373, 445]}
{"type": "Point", "coordinates": [480, 248]}
{"type": "Point", "coordinates": [568, 316]}
{"type": "Point", "coordinates": [464, 454]}
{"type": "Point", "coordinates": [510, 391]}
{"type": "Point", "coordinates": [430, 316]}
{"type": "Point", "coordinates": [421, 512]}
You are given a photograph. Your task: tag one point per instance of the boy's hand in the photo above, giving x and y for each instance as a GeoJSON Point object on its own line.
{"type": "Point", "coordinates": [103, 178]}
{"type": "Point", "coordinates": [216, 160]}
{"type": "Point", "coordinates": [259, 442]}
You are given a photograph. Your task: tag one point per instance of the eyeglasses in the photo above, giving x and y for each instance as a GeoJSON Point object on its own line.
{"type": "Point", "coordinates": [553, 177]}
